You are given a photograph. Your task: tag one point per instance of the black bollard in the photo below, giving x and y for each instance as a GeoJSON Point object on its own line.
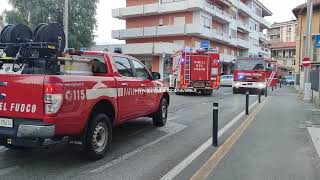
{"type": "Point", "coordinates": [259, 96]}
{"type": "Point", "coordinates": [266, 92]}
{"type": "Point", "coordinates": [215, 125]}
{"type": "Point", "coordinates": [247, 102]}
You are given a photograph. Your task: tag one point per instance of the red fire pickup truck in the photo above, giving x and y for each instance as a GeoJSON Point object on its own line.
{"type": "Point", "coordinates": [46, 101]}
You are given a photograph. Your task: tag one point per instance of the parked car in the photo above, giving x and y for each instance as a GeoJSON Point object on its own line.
{"type": "Point", "coordinates": [290, 80]}
{"type": "Point", "coordinates": [226, 80]}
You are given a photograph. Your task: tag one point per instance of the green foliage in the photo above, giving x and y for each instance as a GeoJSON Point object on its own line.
{"type": "Point", "coordinates": [82, 20]}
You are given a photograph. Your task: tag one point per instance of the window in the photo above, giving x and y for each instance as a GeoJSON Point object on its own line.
{"type": "Point", "coordinates": [161, 21]}
{"type": "Point", "coordinates": [141, 71]}
{"type": "Point", "coordinates": [179, 20]}
{"type": "Point", "coordinates": [123, 66]}
{"type": "Point", "coordinates": [206, 22]}
{"type": "Point", "coordinates": [98, 66]}
{"type": "Point", "coordinates": [234, 14]}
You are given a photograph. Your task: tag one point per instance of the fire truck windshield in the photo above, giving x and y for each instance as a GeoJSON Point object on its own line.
{"type": "Point", "coordinates": [251, 65]}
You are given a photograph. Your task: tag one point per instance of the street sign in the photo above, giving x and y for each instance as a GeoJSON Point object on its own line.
{"type": "Point", "coordinates": [317, 41]}
{"type": "Point", "coordinates": [306, 62]}
{"type": "Point", "coordinates": [205, 44]}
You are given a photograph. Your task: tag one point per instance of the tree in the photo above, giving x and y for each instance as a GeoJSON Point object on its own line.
{"type": "Point", "coordinates": [82, 14]}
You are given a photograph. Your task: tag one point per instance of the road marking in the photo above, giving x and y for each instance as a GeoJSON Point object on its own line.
{"type": "Point", "coordinates": [173, 118]}
{"type": "Point", "coordinates": [8, 170]}
{"type": "Point", "coordinates": [170, 129]}
{"type": "Point", "coordinates": [212, 163]}
{"type": "Point", "coordinates": [183, 164]}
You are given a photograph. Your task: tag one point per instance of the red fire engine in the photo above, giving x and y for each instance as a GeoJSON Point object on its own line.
{"type": "Point", "coordinates": [46, 97]}
{"type": "Point", "coordinates": [195, 71]}
{"type": "Point", "coordinates": [254, 74]}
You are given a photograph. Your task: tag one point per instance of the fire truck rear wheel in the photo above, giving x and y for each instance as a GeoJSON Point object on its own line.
{"type": "Point", "coordinates": [160, 117]}
{"type": "Point", "coordinates": [99, 136]}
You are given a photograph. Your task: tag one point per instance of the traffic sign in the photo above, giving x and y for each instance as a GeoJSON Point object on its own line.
{"type": "Point", "coordinates": [205, 44]}
{"type": "Point", "coordinates": [317, 41]}
{"type": "Point", "coordinates": [306, 62]}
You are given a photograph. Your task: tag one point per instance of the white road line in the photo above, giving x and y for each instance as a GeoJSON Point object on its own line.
{"type": "Point", "coordinates": [170, 128]}
{"type": "Point", "coordinates": [173, 118]}
{"type": "Point", "coordinates": [183, 164]}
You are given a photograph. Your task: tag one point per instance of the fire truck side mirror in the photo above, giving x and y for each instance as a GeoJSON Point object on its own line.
{"type": "Point", "coordinates": [156, 75]}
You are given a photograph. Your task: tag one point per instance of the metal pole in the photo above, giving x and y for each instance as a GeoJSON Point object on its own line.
{"type": "Point", "coordinates": [266, 92]}
{"type": "Point", "coordinates": [280, 82]}
{"type": "Point", "coordinates": [308, 49]}
{"type": "Point", "coordinates": [66, 22]}
{"type": "Point", "coordinates": [215, 125]}
{"type": "Point", "coordinates": [247, 102]}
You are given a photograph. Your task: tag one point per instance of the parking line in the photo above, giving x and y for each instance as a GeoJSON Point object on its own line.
{"type": "Point", "coordinates": [214, 160]}
{"type": "Point", "coordinates": [173, 118]}
{"type": "Point", "coordinates": [183, 164]}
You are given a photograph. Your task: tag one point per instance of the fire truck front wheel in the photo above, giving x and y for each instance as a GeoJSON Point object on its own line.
{"type": "Point", "coordinates": [99, 135]}
{"type": "Point", "coordinates": [160, 117]}
{"type": "Point", "coordinates": [235, 91]}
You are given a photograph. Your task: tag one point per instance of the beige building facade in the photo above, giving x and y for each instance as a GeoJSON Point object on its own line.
{"type": "Point", "coordinates": [283, 46]}
{"type": "Point", "coordinates": [155, 29]}
{"type": "Point", "coordinates": [300, 13]}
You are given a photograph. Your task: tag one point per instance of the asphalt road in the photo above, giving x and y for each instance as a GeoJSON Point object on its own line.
{"type": "Point", "coordinates": [139, 150]}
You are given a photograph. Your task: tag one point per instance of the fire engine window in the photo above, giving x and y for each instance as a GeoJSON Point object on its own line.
{"type": "Point", "coordinates": [123, 66]}
{"type": "Point", "coordinates": [141, 71]}
{"type": "Point", "coordinates": [251, 65]}
{"type": "Point", "coordinates": [98, 66]}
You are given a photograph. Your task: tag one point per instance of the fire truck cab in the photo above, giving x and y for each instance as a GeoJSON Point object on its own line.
{"type": "Point", "coordinates": [250, 74]}
{"type": "Point", "coordinates": [195, 71]}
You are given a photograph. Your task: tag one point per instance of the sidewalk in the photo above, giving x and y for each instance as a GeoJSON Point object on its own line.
{"type": "Point", "coordinates": [277, 145]}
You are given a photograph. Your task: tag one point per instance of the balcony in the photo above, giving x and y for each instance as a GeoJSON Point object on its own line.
{"type": "Point", "coordinates": [217, 14]}
{"type": "Point", "coordinates": [264, 37]}
{"type": "Point", "coordinates": [146, 48]}
{"type": "Point", "coordinates": [175, 30]}
{"type": "Point", "coordinates": [243, 44]}
{"type": "Point", "coordinates": [179, 6]}
{"type": "Point", "coordinates": [244, 27]}
{"type": "Point", "coordinates": [171, 30]}
{"type": "Point", "coordinates": [243, 8]}
{"type": "Point", "coordinates": [226, 57]}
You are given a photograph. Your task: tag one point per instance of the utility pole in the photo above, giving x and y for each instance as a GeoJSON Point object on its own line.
{"type": "Point", "coordinates": [307, 84]}
{"type": "Point", "coordinates": [66, 21]}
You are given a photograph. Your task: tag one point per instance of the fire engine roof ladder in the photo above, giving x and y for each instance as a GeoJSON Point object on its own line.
{"type": "Point", "coordinates": [187, 69]}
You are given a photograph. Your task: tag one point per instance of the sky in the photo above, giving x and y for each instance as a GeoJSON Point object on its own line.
{"type": "Point", "coordinates": [281, 9]}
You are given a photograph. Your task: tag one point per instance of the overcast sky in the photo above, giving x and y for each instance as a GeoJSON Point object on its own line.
{"type": "Point", "coordinates": [281, 9]}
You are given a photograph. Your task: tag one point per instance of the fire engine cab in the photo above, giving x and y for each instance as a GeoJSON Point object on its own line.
{"type": "Point", "coordinates": [195, 71]}
{"type": "Point", "coordinates": [254, 74]}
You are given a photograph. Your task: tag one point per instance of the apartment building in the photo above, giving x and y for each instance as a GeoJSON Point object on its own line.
{"type": "Point", "coordinates": [301, 14]}
{"type": "Point", "coordinates": [283, 46]}
{"type": "Point", "coordinates": [156, 29]}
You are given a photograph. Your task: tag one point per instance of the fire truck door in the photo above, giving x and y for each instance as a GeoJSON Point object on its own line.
{"type": "Point", "coordinates": [127, 85]}
{"type": "Point", "coordinates": [147, 95]}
